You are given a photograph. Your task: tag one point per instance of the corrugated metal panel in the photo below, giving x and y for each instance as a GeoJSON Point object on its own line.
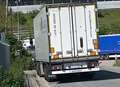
{"type": "Point", "coordinates": [4, 55]}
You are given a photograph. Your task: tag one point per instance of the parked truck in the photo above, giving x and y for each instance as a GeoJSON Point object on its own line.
{"type": "Point", "coordinates": [66, 39]}
{"type": "Point", "coordinates": [109, 46]}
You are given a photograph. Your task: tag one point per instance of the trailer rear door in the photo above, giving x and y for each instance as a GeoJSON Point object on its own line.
{"type": "Point", "coordinates": [84, 22]}
{"type": "Point", "coordinates": [60, 33]}
{"type": "Point", "coordinates": [72, 31]}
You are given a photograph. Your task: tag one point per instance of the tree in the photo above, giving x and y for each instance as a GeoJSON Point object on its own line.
{"type": "Point", "coordinates": [2, 16]}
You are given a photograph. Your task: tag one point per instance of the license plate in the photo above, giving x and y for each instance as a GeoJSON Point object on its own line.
{"type": "Point", "coordinates": [75, 65]}
{"type": "Point", "coordinates": [81, 66]}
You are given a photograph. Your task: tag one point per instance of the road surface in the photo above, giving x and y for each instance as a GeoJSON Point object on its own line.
{"type": "Point", "coordinates": [109, 76]}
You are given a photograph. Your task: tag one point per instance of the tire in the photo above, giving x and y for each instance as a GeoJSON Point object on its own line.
{"type": "Point", "coordinates": [47, 74]}
{"type": "Point", "coordinates": [47, 77]}
{"type": "Point", "coordinates": [38, 69]}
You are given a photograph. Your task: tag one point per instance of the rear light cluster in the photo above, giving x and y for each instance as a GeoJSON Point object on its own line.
{"type": "Point", "coordinates": [56, 67]}
{"type": "Point", "coordinates": [92, 64]}
{"type": "Point", "coordinates": [54, 54]}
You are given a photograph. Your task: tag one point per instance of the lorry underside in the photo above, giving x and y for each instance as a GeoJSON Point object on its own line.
{"type": "Point", "coordinates": [68, 66]}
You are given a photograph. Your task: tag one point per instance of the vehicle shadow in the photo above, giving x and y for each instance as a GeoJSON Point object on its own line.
{"type": "Point", "coordinates": [101, 75]}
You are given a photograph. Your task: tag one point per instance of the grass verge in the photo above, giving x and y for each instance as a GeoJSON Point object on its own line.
{"type": "Point", "coordinates": [117, 63]}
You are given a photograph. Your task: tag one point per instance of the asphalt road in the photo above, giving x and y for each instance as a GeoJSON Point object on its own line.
{"type": "Point", "coordinates": [108, 77]}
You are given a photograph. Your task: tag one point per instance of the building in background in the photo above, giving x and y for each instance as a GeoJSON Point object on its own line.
{"type": "Point", "coordinates": [26, 6]}
{"type": "Point", "coordinates": [37, 2]}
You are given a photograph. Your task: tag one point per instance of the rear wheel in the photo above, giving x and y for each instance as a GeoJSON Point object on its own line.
{"type": "Point", "coordinates": [47, 74]}
{"type": "Point", "coordinates": [50, 78]}
{"type": "Point", "coordinates": [47, 77]}
{"type": "Point", "coordinates": [39, 68]}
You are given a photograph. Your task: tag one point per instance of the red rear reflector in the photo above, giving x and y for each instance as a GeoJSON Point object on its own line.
{"type": "Point", "coordinates": [56, 56]}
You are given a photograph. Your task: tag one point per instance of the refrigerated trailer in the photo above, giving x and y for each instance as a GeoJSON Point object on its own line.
{"type": "Point", "coordinates": [66, 39]}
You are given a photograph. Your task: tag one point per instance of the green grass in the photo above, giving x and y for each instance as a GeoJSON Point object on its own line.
{"type": "Point", "coordinates": [111, 16]}
{"type": "Point", "coordinates": [19, 66]}
{"type": "Point", "coordinates": [15, 77]}
{"type": "Point", "coordinates": [109, 21]}
{"type": "Point", "coordinates": [117, 63]}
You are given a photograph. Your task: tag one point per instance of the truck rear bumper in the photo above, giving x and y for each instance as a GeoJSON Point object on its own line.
{"type": "Point", "coordinates": [75, 71]}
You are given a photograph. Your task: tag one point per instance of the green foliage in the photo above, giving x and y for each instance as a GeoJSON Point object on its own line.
{"type": "Point", "coordinates": [100, 14]}
{"type": "Point", "coordinates": [14, 44]}
{"type": "Point", "coordinates": [109, 29]}
{"type": "Point", "coordinates": [14, 76]}
{"type": "Point", "coordinates": [25, 20]}
{"type": "Point", "coordinates": [2, 16]}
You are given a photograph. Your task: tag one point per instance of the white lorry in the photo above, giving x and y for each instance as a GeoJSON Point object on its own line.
{"type": "Point", "coordinates": [66, 39]}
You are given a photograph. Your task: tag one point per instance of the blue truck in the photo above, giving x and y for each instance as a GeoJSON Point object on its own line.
{"type": "Point", "coordinates": [109, 45]}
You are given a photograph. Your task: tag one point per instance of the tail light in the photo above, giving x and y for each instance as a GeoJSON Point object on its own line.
{"type": "Point", "coordinates": [93, 53]}
{"type": "Point", "coordinates": [53, 53]}
{"type": "Point", "coordinates": [92, 64]}
{"type": "Point", "coordinates": [55, 56]}
{"type": "Point", "coordinates": [56, 67]}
